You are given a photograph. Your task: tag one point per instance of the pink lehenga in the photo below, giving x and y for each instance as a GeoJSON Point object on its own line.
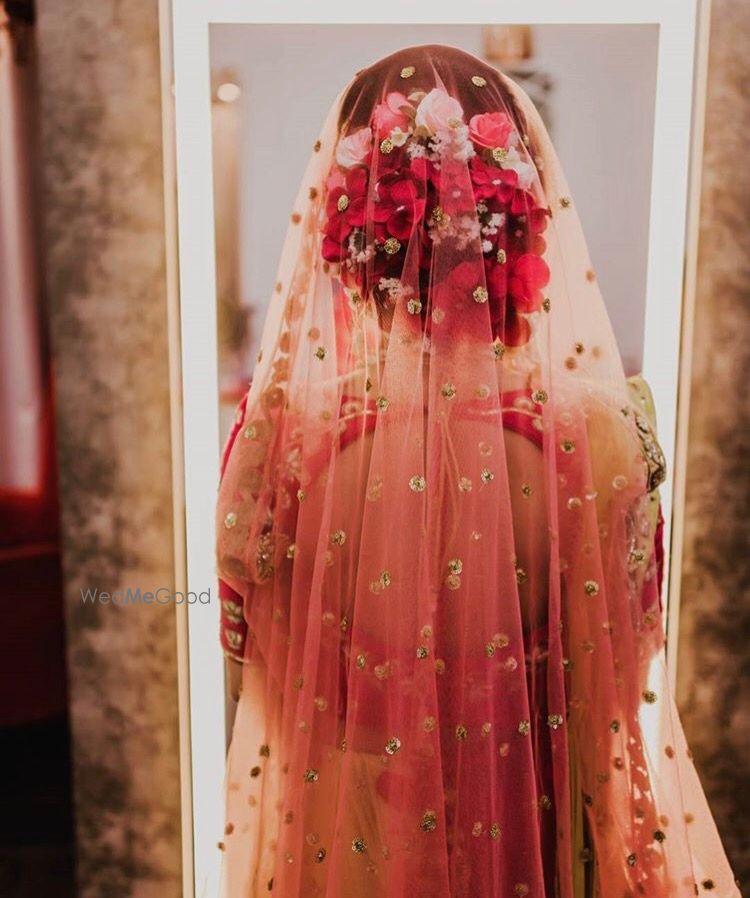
{"type": "Point", "coordinates": [436, 534]}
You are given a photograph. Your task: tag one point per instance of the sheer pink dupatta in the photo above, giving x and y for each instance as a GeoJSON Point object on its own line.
{"type": "Point", "coordinates": [437, 516]}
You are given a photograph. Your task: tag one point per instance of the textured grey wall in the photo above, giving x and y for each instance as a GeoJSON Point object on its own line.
{"type": "Point", "coordinates": [104, 231]}
{"type": "Point", "coordinates": [714, 658]}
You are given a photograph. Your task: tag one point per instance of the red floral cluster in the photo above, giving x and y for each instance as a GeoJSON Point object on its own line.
{"type": "Point", "coordinates": [383, 195]}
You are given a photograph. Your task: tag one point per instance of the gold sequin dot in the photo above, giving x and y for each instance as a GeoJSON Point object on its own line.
{"type": "Point", "coordinates": [545, 802]}
{"type": "Point", "coordinates": [503, 749]}
{"type": "Point", "coordinates": [580, 349]}
{"type": "Point", "coordinates": [480, 294]}
{"type": "Point", "coordinates": [448, 391]}
{"type": "Point", "coordinates": [407, 71]}
{"type": "Point", "coordinates": [477, 829]}
{"type": "Point", "coordinates": [417, 483]}
{"type": "Point", "coordinates": [392, 745]}
{"type": "Point", "coordinates": [250, 432]}
{"type": "Point", "coordinates": [230, 520]}
{"type": "Point", "coordinates": [554, 721]}
{"type": "Point", "coordinates": [565, 202]}
{"type": "Point", "coordinates": [526, 490]}
{"type": "Point", "coordinates": [392, 246]}
{"type": "Point", "coordinates": [498, 349]}
{"type": "Point", "coordinates": [631, 859]}
{"type": "Point", "coordinates": [486, 476]}
{"type": "Point", "coordinates": [590, 275]}
{"type": "Point", "coordinates": [429, 821]}
{"type": "Point", "coordinates": [461, 732]}
{"type": "Point", "coordinates": [540, 396]}
{"type": "Point", "coordinates": [255, 772]}
{"type": "Point", "coordinates": [386, 145]}
{"type": "Point", "coordinates": [338, 538]}
{"type": "Point", "coordinates": [478, 81]}
{"type": "Point", "coordinates": [464, 484]}
{"type": "Point", "coordinates": [301, 495]}
{"type": "Point", "coordinates": [312, 193]}
{"type": "Point", "coordinates": [296, 218]}
{"type": "Point", "coordinates": [359, 846]}
{"type": "Point", "coordinates": [316, 146]}
{"type": "Point", "coordinates": [499, 154]}
{"type": "Point", "coordinates": [342, 204]}
{"type": "Point", "coordinates": [422, 652]}
{"type": "Point", "coordinates": [361, 662]}
{"type": "Point", "coordinates": [486, 729]}
{"type": "Point", "coordinates": [669, 751]}
{"type": "Point", "coordinates": [320, 353]}
{"type": "Point", "coordinates": [524, 727]}
{"type": "Point", "coordinates": [489, 649]}
{"type": "Point", "coordinates": [591, 588]}
{"type": "Point", "coordinates": [439, 216]}
{"type": "Point", "coordinates": [546, 304]}
{"type": "Point", "coordinates": [708, 884]}
{"type": "Point", "coordinates": [619, 482]}
{"type": "Point", "coordinates": [571, 363]}
{"type": "Point", "coordinates": [614, 726]}
{"type": "Point", "coordinates": [568, 446]}
{"type": "Point", "coordinates": [382, 403]}
{"type": "Point", "coordinates": [414, 306]}
{"type": "Point", "coordinates": [649, 696]}
{"type": "Point", "coordinates": [440, 666]}
{"type": "Point", "coordinates": [659, 835]}
{"type": "Point", "coordinates": [502, 256]}
{"type": "Point", "coordinates": [521, 889]}
{"type": "Point", "coordinates": [574, 502]}
{"type": "Point", "coordinates": [495, 831]}
{"type": "Point", "coordinates": [429, 724]}
{"type": "Point", "coordinates": [320, 855]}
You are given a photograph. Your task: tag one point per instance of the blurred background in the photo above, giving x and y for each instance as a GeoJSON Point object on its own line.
{"type": "Point", "coordinates": [90, 787]}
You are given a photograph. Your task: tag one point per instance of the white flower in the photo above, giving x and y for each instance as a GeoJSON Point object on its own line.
{"type": "Point", "coordinates": [438, 111]}
{"type": "Point", "coordinates": [355, 148]}
{"type": "Point", "coordinates": [486, 246]}
{"type": "Point", "coordinates": [524, 170]}
{"type": "Point", "coordinates": [398, 137]}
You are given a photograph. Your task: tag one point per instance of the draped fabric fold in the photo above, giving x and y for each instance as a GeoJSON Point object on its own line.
{"type": "Point", "coordinates": [436, 524]}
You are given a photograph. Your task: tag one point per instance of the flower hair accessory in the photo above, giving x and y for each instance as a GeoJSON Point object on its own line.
{"type": "Point", "coordinates": [401, 184]}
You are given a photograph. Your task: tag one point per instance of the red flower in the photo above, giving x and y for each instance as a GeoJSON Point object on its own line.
{"type": "Point", "coordinates": [345, 205]}
{"type": "Point", "coordinates": [491, 129]}
{"type": "Point", "coordinates": [399, 207]}
{"type": "Point", "coordinates": [528, 274]}
{"type": "Point", "coordinates": [491, 182]}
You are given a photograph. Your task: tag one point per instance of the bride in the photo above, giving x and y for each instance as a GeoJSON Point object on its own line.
{"type": "Point", "coordinates": [438, 534]}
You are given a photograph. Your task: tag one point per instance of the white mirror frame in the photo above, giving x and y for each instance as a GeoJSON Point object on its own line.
{"type": "Point", "coordinates": [186, 82]}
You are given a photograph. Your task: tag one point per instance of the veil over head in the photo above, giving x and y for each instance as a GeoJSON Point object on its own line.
{"type": "Point", "coordinates": [436, 527]}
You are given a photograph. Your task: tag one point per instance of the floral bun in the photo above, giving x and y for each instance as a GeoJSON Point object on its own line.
{"type": "Point", "coordinates": [386, 197]}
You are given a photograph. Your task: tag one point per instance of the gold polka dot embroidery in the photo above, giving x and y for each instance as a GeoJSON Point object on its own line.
{"type": "Point", "coordinates": [407, 71]}
{"type": "Point", "coordinates": [565, 202]}
{"type": "Point", "coordinates": [478, 81]}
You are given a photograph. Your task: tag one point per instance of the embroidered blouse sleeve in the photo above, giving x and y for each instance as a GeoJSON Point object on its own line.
{"type": "Point", "coordinates": [233, 628]}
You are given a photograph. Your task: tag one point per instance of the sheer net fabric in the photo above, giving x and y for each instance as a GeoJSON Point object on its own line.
{"type": "Point", "coordinates": [437, 512]}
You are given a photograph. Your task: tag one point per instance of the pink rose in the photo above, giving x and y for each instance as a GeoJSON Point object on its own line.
{"type": "Point", "coordinates": [438, 112]}
{"type": "Point", "coordinates": [355, 148]}
{"type": "Point", "coordinates": [491, 129]}
{"type": "Point", "coordinates": [389, 114]}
